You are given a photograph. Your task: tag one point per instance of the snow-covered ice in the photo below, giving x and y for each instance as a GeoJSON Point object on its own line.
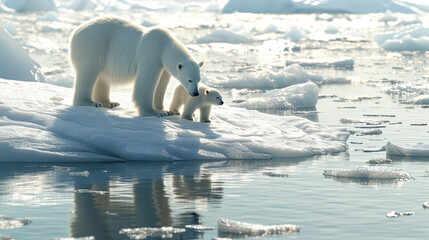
{"type": "Point", "coordinates": [44, 127]}
{"type": "Point", "coordinates": [10, 223]}
{"type": "Point", "coordinates": [226, 36]}
{"type": "Point", "coordinates": [243, 229]}
{"type": "Point", "coordinates": [370, 173]}
{"type": "Point", "coordinates": [147, 232]}
{"type": "Point", "coordinates": [303, 95]}
{"type": "Point", "coordinates": [320, 63]}
{"type": "Point", "coordinates": [15, 63]}
{"type": "Point", "coordinates": [409, 150]}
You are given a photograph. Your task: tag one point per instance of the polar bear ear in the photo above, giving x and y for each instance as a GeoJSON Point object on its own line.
{"type": "Point", "coordinates": [207, 91]}
{"type": "Point", "coordinates": [201, 63]}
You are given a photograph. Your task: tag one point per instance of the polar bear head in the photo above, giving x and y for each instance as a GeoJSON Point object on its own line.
{"type": "Point", "coordinates": [188, 74]}
{"type": "Point", "coordinates": [212, 96]}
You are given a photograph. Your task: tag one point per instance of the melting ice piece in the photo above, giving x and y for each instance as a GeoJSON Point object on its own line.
{"type": "Point", "coordinates": [379, 161]}
{"type": "Point", "coordinates": [147, 232]}
{"type": "Point", "coordinates": [409, 150]}
{"type": "Point", "coordinates": [91, 191]}
{"type": "Point", "coordinates": [199, 227]}
{"type": "Point", "coordinates": [271, 174]}
{"type": "Point", "coordinates": [426, 205]}
{"type": "Point", "coordinates": [10, 223]}
{"type": "Point", "coordinates": [370, 173]}
{"type": "Point", "coordinates": [394, 214]}
{"type": "Point", "coordinates": [228, 227]}
{"type": "Point", "coordinates": [368, 132]}
{"type": "Point", "coordinates": [72, 238]}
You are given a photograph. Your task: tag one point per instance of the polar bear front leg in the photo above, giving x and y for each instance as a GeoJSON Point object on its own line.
{"type": "Point", "coordinates": [101, 93]}
{"type": "Point", "coordinates": [144, 90]}
{"type": "Point", "coordinates": [205, 114]}
{"type": "Point", "coordinates": [83, 87]}
{"type": "Point", "coordinates": [188, 111]}
{"type": "Point", "coordinates": [158, 98]}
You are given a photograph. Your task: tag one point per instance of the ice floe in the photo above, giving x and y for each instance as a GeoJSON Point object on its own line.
{"type": "Point", "coordinates": [366, 132]}
{"type": "Point", "coordinates": [297, 96]}
{"type": "Point", "coordinates": [199, 227]}
{"type": "Point", "coordinates": [226, 36]}
{"type": "Point", "coordinates": [15, 63]}
{"type": "Point", "coordinates": [364, 120]}
{"type": "Point", "coordinates": [45, 127]}
{"type": "Point", "coordinates": [328, 6]}
{"type": "Point", "coordinates": [10, 223]}
{"type": "Point", "coordinates": [394, 214]}
{"type": "Point", "coordinates": [413, 38]}
{"type": "Point", "coordinates": [426, 205]}
{"type": "Point", "coordinates": [373, 172]}
{"type": "Point", "coordinates": [238, 229]}
{"type": "Point", "coordinates": [408, 150]}
{"type": "Point", "coordinates": [147, 232]}
{"type": "Point", "coordinates": [320, 63]}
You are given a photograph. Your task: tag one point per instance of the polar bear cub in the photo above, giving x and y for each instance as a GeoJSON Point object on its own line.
{"type": "Point", "coordinates": [208, 97]}
{"type": "Point", "coordinates": [112, 51]}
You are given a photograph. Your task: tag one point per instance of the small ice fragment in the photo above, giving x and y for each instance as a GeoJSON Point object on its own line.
{"type": "Point", "coordinates": [370, 127]}
{"type": "Point", "coordinates": [382, 149]}
{"type": "Point", "coordinates": [91, 191]}
{"type": "Point", "coordinates": [418, 124]}
{"type": "Point", "coordinates": [10, 223]}
{"type": "Point", "coordinates": [199, 227]}
{"type": "Point", "coordinates": [379, 161]}
{"type": "Point", "coordinates": [426, 205]}
{"type": "Point", "coordinates": [228, 227]}
{"type": "Point", "coordinates": [406, 213]}
{"type": "Point", "coordinates": [72, 238]}
{"type": "Point", "coordinates": [364, 133]}
{"type": "Point", "coordinates": [147, 232]}
{"type": "Point", "coordinates": [370, 173]}
{"type": "Point", "coordinates": [271, 174]}
{"type": "Point", "coordinates": [83, 174]}
{"type": "Point", "coordinates": [392, 214]}
{"type": "Point", "coordinates": [356, 142]}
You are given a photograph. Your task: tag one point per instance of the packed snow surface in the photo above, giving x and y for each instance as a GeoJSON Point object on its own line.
{"type": "Point", "coordinates": [370, 173]}
{"type": "Point", "coordinates": [15, 63]}
{"type": "Point", "coordinates": [328, 6]}
{"type": "Point", "coordinates": [409, 150]}
{"type": "Point", "coordinates": [44, 127]}
{"type": "Point", "coordinates": [303, 95]}
{"type": "Point", "coordinates": [243, 229]}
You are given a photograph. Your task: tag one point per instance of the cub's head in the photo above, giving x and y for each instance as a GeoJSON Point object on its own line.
{"type": "Point", "coordinates": [188, 74]}
{"type": "Point", "coordinates": [212, 96]}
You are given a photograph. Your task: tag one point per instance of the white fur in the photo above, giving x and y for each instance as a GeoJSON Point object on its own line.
{"type": "Point", "coordinates": [208, 97]}
{"type": "Point", "coordinates": [108, 51]}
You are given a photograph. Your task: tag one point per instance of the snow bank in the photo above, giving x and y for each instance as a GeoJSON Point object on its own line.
{"type": "Point", "coordinates": [30, 5]}
{"type": "Point", "coordinates": [320, 63]}
{"type": "Point", "coordinates": [244, 230]}
{"type": "Point", "coordinates": [414, 38]}
{"type": "Point", "coordinates": [44, 127]}
{"type": "Point", "coordinates": [370, 173]}
{"type": "Point", "coordinates": [267, 79]}
{"type": "Point", "coordinates": [15, 63]}
{"type": "Point", "coordinates": [303, 95]}
{"type": "Point", "coordinates": [328, 6]}
{"type": "Point", "coordinates": [226, 36]}
{"type": "Point", "coordinates": [409, 150]}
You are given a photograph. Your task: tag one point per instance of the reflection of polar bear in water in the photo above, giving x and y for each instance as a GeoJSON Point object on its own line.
{"type": "Point", "coordinates": [208, 97]}
{"type": "Point", "coordinates": [109, 50]}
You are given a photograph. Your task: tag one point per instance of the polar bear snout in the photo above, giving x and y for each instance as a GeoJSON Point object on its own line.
{"type": "Point", "coordinates": [194, 94]}
{"type": "Point", "coordinates": [221, 103]}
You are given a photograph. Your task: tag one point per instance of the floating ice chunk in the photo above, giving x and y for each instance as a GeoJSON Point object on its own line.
{"type": "Point", "coordinates": [295, 34]}
{"type": "Point", "coordinates": [147, 232]}
{"type": "Point", "coordinates": [30, 5]}
{"type": "Point", "coordinates": [226, 36]}
{"type": "Point", "coordinates": [388, 17]}
{"type": "Point", "coordinates": [15, 63]}
{"type": "Point", "coordinates": [199, 227]}
{"type": "Point", "coordinates": [379, 161]}
{"type": "Point", "coordinates": [367, 132]}
{"type": "Point", "coordinates": [340, 64]}
{"type": "Point", "coordinates": [356, 120]}
{"type": "Point", "coordinates": [228, 227]}
{"type": "Point", "coordinates": [420, 100]}
{"type": "Point", "coordinates": [426, 205]}
{"type": "Point", "coordinates": [10, 223]}
{"type": "Point", "coordinates": [268, 79]}
{"type": "Point", "coordinates": [271, 174]}
{"type": "Point", "coordinates": [409, 150]}
{"type": "Point", "coordinates": [394, 214]}
{"type": "Point", "coordinates": [331, 30]}
{"type": "Point", "coordinates": [370, 173]}
{"type": "Point", "coordinates": [72, 238]}
{"type": "Point", "coordinates": [91, 191]}
{"type": "Point", "coordinates": [83, 174]}
{"type": "Point", "coordinates": [414, 38]}
{"type": "Point", "coordinates": [303, 95]}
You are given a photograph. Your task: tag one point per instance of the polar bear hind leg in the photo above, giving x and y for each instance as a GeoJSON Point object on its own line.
{"type": "Point", "coordinates": [84, 85]}
{"type": "Point", "coordinates": [101, 93]}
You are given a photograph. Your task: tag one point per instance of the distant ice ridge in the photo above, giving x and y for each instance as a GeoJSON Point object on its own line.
{"type": "Point", "coordinates": [413, 38]}
{"type": "Point", "coordinates": [370, 173]}
{"type": "Point", "coordinates": [242, 229]}
{"type": "Point", "coordinates": [44, 127]}
{"type": "Point", "coordinates": [270, 79]}
{"type": "Point", "coordinates": [31, 5]}
{"type": "Point", "coordinates": [15, 63]}
{"type": "Point", "coordinates": [328, 6]}
{"type": "Point", "coordinates": [409, 150]}
{"type": "Point", "coordinates": [303, 95]}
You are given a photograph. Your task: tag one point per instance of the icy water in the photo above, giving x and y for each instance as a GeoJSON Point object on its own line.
{"type": "Point", "coordinates": [98, 200]}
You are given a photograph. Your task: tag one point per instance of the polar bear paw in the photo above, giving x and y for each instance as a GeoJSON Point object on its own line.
{"type": "Point", "coordinates": [111, 104]}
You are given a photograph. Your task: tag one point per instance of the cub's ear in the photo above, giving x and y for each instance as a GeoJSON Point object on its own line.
{"type": "Point", "coordinates": [207, 91]}
{"type": "Point", "coordinates": [201, 63]}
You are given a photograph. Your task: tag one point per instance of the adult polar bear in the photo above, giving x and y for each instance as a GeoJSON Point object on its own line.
{"type": "Point", "coordinates": [109, 51]}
